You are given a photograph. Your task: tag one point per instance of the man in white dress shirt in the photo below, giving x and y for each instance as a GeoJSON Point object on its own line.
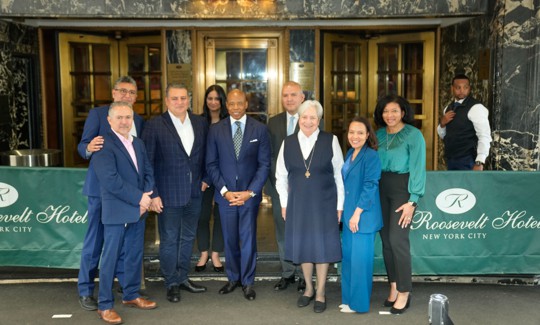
{"type": "Point", "coordinates": [464, 128]}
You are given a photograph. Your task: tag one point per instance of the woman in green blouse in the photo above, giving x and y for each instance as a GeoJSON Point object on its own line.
{"type": "Point", "coordinates": [402, 151]}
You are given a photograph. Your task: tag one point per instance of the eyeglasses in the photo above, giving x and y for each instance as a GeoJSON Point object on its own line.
{"type": "Point", "coordinates": [124, 91]}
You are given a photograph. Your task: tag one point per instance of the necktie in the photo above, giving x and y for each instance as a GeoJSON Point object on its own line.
{"type": "Point", "coordinates": [290, 128]}
{"type": "Point", "coordinates": [237, 138]}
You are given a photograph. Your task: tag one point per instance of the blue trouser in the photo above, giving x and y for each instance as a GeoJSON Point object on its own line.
{"type": "Point", "coordinates": [239, 226]}
{"type": "Point", "coordinates": [129, 240]}
{"type": "Point", "coordinates": [357, 269]}
{"type": "Point", "coordinates": [177, 229]}
{"type": "Point", "coordinates": [91, 250]}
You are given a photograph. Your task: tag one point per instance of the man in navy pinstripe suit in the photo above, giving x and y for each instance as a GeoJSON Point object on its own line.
{"type": "Point", "coordinates": [176, 145]}
{"type": "Point", "coordinates": [238, 161]}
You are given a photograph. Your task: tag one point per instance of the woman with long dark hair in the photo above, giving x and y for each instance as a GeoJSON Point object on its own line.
{"type": "Point", "coordinates": [214, 110]}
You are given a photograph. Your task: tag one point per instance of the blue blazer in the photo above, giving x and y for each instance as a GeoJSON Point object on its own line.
{"type": "Point", "coordinates": [122, 186]}
{"type": "Point", "coordinates": [178, 176]}
{"type": "Point", "coordinates": [361, 182]}
{"type": "Point", "coordinates": [250, 170]}
{"type": "Point", "coordinates": [96, 124]}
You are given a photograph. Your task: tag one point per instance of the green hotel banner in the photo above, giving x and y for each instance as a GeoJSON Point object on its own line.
{"type": "Point", "coordinates": [467, 223]}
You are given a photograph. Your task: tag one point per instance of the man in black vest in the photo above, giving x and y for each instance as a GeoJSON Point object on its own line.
{"type": "Point", "coordinates": [464, 128]}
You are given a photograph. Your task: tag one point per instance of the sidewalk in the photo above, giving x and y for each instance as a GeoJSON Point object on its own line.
{"type": "Point", "coordinates": [36, 303]}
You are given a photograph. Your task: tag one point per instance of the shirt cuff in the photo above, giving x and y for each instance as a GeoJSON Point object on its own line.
{"type": "Point", "coordinates": [223, 190]}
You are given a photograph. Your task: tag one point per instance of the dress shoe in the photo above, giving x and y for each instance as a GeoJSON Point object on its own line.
{"type": "Point", "coordinates": [200, 268]}
{"type": "Point", "coordinates": [173, 294]}
{"type": "Point", "coordinates": [303, 301]}
{"type": "Point", "coordinates": [140, 303]}
{"type": "Point", "coordinates": [301, 285]}
{"type": "Point", "coordinates": [88, 302]}
{"type": "Point", "coordinates": [397, 311]}
{"type": "Point", "coordinates": [319, 306]}
{"type": "Point", "coordinates": [109, 316]}
{"type": "Point", "coordinates": [229, 287]}
{"type": "Point", "coordinates": [192, 287]}
{"type": "Point", "coordinates": [249, 293]}
{"type": "Point", "coordinates": [283, 283]}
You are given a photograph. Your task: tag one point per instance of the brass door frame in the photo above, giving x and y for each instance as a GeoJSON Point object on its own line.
{"type": "Point", "coordinates": [204, 67]}
{"type": "Point", "coordinates": [68, 118]}
{"type": "Point", "coordinates": [428, 92]}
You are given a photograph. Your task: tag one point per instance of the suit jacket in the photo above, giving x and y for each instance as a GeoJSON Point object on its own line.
{"type": "Point", "coordinates": [250, 170]}
{"type": "Point", "coordinates": [122, 186]}
{"type": "Point", "coordinates": [362, 190]}
{"type": "Point", "coordinates": [178, 175]}
{"type": "Point", "coordinates": [96, 124]}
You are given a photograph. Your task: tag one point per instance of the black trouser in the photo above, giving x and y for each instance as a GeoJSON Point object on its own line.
{"type": "Point", "coordinates": [203, 230]}
{"type": "Point", "coordinates": [394, 192]}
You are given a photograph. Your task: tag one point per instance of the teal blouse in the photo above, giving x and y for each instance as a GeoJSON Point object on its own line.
{"type": "Point", "coordinates": [405, 152]}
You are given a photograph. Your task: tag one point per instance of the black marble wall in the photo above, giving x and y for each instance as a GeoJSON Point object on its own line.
{"type": "Point", "coordinates": [302, 49]}
{"type": "Point", "coordinates": [19, 117]}
{"type": "Point", "coordinates": [227, 9]}
{"type": "Point", "coordinates": [516, 91]}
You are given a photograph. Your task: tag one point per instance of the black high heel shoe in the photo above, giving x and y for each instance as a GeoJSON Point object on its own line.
{"type": "Point", "coordinates": [397, 311]}
{"type": "Point", "coordinates": [388, 303]}
{"type": "Point", "coordinates": [218, 269]}
{"type": "Point", "coordinates": [200, 268]}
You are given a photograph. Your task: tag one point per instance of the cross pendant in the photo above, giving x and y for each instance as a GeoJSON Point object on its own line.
{"type": "Point", "coordinates": [307, 174]}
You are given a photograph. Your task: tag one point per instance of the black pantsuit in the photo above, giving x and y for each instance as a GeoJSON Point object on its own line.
{"type": "Point", "coordinates": [203, 231]}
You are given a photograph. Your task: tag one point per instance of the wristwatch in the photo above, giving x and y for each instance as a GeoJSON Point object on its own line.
{"type": "Point", "coordinates": [478, 163]}
{"type": "Point", "coordinates": [413, 204]}
{"type": "Point", "coordinates": [252, 194]}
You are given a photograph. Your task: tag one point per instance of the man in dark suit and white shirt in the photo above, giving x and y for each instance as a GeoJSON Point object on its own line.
{"type": "Point", "coordinates": [92, 140]}
{"type": "Point", "coordinates": [176, 145]}
{"type": "Point", "coordinates": [238, 162]}
{"type": "Point", "coordinates": [281, 126]}
{"type": "Point", "coordinates": [126, 180]}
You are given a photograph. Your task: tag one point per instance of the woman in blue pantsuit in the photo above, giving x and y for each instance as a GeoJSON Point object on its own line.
{"type": "Point", "coordinates": [362, 216]}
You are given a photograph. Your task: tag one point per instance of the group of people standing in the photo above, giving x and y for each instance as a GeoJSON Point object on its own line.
{"type": "Point", "coordinates": [186, 161]}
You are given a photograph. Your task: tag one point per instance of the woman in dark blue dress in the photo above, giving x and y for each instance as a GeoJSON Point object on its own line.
{"type": "Point", "coordinates": [310, 187]}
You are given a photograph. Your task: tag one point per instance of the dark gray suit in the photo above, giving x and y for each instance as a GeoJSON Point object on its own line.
{"type": "Point", "coordinates": [277, 126]}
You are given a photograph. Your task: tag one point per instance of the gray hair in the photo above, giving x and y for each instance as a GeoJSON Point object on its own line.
{"type": "Point", "coordinates": [114, 105]}
{"type": "Point", "coordinates": [311, 103]}
{"type": "Point", "coordinates": [125, 80]}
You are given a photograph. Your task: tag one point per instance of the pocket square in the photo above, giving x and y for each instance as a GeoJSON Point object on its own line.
{"type": "Point", "coordinates": [254, 140]}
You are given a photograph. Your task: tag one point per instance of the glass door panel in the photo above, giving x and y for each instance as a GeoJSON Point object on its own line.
{"type": "Point", "coordinates": [248, 64]}
{"type": "Point", "coordinates": [345, 87]}
{"type": "Point", "coordinates": [86, 81]}
{"type": "Point", "coordinates": [405, 66]}
{"type": "Point", "coordinates": [143, 63]}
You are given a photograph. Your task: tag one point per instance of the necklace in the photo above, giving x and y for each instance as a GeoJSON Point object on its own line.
{"type": "Point", "coordinates": [388, 143]}
{"type": "Point", "coordinates": [309, 164]}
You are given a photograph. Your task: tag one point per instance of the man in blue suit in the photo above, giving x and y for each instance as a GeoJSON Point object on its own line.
{"type": "Point", "coordinates": [176, 145]}
{"type": "Point", "coordinates": [95, 127]}
{"type": "Point", "coordinates": [238, 162]}
{"type": "Point", "coordinates": [126, 182]}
